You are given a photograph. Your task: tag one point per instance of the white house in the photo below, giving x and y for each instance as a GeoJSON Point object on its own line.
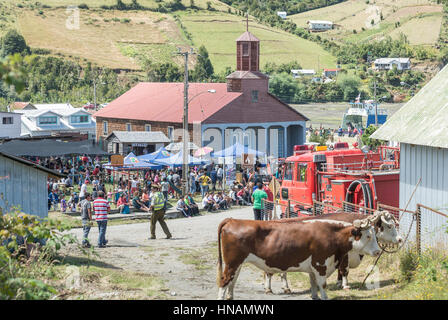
{"type": "Point", "coordinates": [10, 126]}
{"type": "Point", "coordinates": [47, 119]}
{"type": "Point", "coordinates": [297, 73]}
{"type": "Point", "coordinates": [281, 14]}
{"type": "Point", "coordinates": [319, 25]}
{"type": "Point", "coordinates": [389, 63]}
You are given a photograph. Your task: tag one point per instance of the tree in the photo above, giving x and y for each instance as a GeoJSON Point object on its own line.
{"type": "Point", "coordinates": [12, 43]}
{"type": "Point", "coordinates": [284, 86]}
{"type": "Point", "coordinates": [203, 69]}
{"type": "Point", "coordinates": [12, 71]}
{"type": "Point", "coordinates": [164, 72]}
{"type": "Point", "coordinates": [367, 141]}
{"type": "Point", "coordinates": [349, 85]}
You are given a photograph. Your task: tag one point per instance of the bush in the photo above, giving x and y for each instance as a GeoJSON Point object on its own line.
{"type": "Point", "coordinates": [24, 237]}
{"type": "Point", "coordinates": [408, 264]}
{"type": "Point", "coordinates": [83, 6]}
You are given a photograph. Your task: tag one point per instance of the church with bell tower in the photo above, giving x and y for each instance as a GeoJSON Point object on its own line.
{"type": "Point", "coordinates": [241, 110]}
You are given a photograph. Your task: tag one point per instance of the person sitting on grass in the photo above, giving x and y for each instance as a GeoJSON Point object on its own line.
{"type": "Point", "coordinates": [182, 207]}
{"type": "Point", "coordinates": [122, 204]}
{"type": "Point", "coordinates": [222, 204]}
{"type": "Point", "coordinates": [241, 196]}
{"type": "Point", "coordinates": [211, 197]}
{"type": "Point", "coordinates": [145, 199]}
{"type": "Point", "coordinates": [207, 204]}
{"type": "Point", "coordinates": [138, 204]}
{"type": "Point", "coordinates": [192, 205]}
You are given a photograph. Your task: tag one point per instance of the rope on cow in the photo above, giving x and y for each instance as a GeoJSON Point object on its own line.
{"type": "Point", "coordinates": [414, 217]}
{"type": "Point", "coordinates": [383, 249]}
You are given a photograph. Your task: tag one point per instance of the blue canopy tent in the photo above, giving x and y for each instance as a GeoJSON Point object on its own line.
{"type": "Point", "coordinates": [176, 160]}
{"type": "Point", "coordinates": [131, 162]}
{"type": "Point", "coordinates": [236, 150]}
{"type": "Point", "coordinates": [162, 153]}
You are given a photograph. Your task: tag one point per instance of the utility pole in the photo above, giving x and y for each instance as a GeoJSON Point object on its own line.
{"type": "Point", "coordinates": [376, 103]}
{"type": "Point", "coordinates": [94, 94]}
{"type": "Point", "coordinates": [185, 135]}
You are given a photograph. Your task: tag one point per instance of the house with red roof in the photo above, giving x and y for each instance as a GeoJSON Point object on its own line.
{"type": "Point", "coordinates": [219, 114]}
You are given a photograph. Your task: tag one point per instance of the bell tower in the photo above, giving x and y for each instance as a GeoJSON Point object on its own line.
{"type": "Point", "coordinates": [247, 78]}
{"type": "Point", "coordinates": [247, 51]}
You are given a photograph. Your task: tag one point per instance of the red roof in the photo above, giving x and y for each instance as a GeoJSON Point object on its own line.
{"type": "Point", "coordinates": [332, 69]}
{"type": "Point", "coordinates": [19, 105]}
{"type": "Point", "coordinates": [164, 102]}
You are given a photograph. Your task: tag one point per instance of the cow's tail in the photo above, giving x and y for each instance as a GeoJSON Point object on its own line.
{"type": "Point", "coordinates": [219, 266]}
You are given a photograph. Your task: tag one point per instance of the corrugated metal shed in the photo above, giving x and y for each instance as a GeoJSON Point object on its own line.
{"type": "Point", "coordinates": [431, 165]}
{"type": "Point", "coordinates": [424, 119]}
{"type": "Point", "coordinates": [23, 184]}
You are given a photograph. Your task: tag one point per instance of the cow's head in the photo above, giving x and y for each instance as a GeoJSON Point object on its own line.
{"type": "Point", "coordinates": [385, 228]}
{"type": "Point", "coordinates": [364, 239]}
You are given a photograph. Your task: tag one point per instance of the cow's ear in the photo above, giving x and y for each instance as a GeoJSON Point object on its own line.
{"type": "Point", "coordinates": [356, 232]}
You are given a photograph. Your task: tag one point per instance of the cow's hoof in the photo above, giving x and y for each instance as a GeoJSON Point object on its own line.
{"type": "Point", "coordinates": [315, 298]}
{"type": "Point", "coordinates": [268, 291]}
{"type": "Point", "coordinates": [287, 291]}
{"type": "Point", "coordinates": [346, 287]}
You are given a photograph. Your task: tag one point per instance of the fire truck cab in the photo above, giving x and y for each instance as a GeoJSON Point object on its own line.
{"type": "Point", "coordinates": [338, 176]}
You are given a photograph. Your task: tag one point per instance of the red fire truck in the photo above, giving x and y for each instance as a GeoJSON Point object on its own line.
{"type": "Point", "coordinates": [340, 176]}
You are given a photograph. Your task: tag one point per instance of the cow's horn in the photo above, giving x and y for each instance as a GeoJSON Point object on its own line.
{"type": "Point", "coordinates": [375, 217]}
{"type": "Point", "coordinates": [357, 223]}
{"type": "Point", "coordinates": [387, 218]}
{"type": "Point", "coordinates": [363, 224]}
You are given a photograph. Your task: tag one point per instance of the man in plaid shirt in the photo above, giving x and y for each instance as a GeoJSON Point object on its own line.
{"type": "Point", "coordinates": [101, 209]}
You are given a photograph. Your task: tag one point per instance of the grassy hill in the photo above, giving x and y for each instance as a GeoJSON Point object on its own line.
{"type": "Point", "coordinates": [419, 20]}
{"type": "Point", "coordinates": [123, 39]}
{"type": "Point", "coordinates": [218, 32]}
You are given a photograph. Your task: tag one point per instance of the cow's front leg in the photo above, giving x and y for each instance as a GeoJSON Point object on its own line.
{"type": "Point", "coordinates": [343, 273]}
{"type": "Point", "coordinates": [285, 285]}
{"type": "Point", "coordinates": [267, 282]}
{"type": "Point", "coordinates": [313, 284]}
{"type": "Point", "coordinates": [342, 277]}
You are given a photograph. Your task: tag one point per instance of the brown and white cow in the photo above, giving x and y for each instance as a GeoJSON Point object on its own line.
{"type": "Point", "coordinates": [316, 247]}
{"type": "Point", "coordinates": [385, 231]}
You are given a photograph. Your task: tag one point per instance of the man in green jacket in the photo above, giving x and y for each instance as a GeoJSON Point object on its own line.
{"type": "Point", "coordinates": [257, 197]}
{"type": "Point", "coordinates": [158, 212]}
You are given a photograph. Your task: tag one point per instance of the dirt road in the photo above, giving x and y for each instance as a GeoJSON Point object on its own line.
{"type": "Point", "coordinates": [186, 263]}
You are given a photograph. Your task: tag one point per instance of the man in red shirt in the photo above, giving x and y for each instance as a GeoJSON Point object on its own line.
{"type": "Point", "coordinates": [96, 171]}
{"type": "Point", "coordinates": [101, 209]}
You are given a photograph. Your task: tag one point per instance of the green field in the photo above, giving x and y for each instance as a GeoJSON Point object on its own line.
{"type": "Point", "coordinates": [123, 39]}
{"type": "Point", "coordinates": [420, 20]}
{"type": "Point", "coordinates": [218, 33]}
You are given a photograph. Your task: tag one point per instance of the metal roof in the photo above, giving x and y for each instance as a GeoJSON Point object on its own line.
{"type": "Point", "coordinates": [389, 60]}
{"type": "Point", "coordinates": [50, 172]}
{"type": "Point", "coordinates": [423, 120]}
{"type": "Point", "coordinates": [140, 136]}
{"type": "Point", "coordinates": [247, 36]}
{"type": "Point", "coordinates": [164, 102]}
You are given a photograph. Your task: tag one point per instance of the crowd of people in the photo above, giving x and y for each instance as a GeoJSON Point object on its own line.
{"type": "Point", "coordinates": [86, 181]}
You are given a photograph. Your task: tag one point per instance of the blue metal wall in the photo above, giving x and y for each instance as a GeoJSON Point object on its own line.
{"type": "Point", "coordinates": [24, 187]}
